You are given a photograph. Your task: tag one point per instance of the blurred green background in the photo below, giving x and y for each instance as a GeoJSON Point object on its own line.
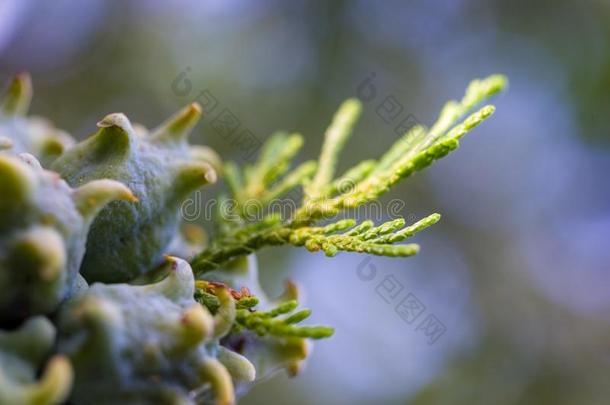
{"type": "Point", "coordinates": [517, 271]}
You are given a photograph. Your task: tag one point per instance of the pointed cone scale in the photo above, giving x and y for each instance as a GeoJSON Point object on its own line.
{"type": "Point", "coordinates": [101, 314]}
{"type": "Point", "coordinates": [93, 196]}
{"type": "Point", "coordinates": [114, 136]}
{"type": "Point", "coordinates": [56, 382]}
{"type": "Point", "coordinates": [17, 182]}
{"type": "Point", "coordinates": [196, 325]}
{"type": "Point", "coordinates": [31, 161]}
{"type": "Point", "coordinates": [17, 97]}
{"type": "Point", "coordinates": [48, 131]}
{"type": "Point", "coordinates": [178, 127]}
{"type": "Point", "coordinates": [237, 365]}
{"type": "Point", "coordinates": [110, 146]}
{"type": "Point", "coordinates": [208, 155]}
{"type": "Point", "coordinates": [216, 374]}
{"type": "Point", "coordinates": [57, 144]}
{"type": "Point", "coordinates": [40, 251]}
{"type": "Point", "coordinates": [189, 176]}
{"type": "Point", "coordinates": [179, 283]}
{"type": "Point", "coordinates": [225, 316]}
{"type": "Point", "coordinates": [32, 341]}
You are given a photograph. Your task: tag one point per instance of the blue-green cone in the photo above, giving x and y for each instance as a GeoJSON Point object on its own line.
{"type": "Point", "coordinates": [22, 134]}
{"type": "Point", "coordinates": [23, 353]}
{"type": "Point", "coordinates": [43, 230]}
{"type": "Point", "coordinates": [150, 344]}
{"type": "Point", "coordinates": [128, 240]}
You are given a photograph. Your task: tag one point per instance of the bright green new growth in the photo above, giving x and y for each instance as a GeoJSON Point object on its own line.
{"type": "Point", "coordinates": [22, 353]}
{"type": "Point", "coordinates": [151, 344]}
{"type": "Point", "coordinates": [262, 322]}
{"type": "Point", "coordinates": [43, 230]}
{"type": "Point", "coordinates": [129, 239]}
{"type": "Point", "coordinates": [325, 196]}
{"type": "Point", "coordinates": [364, 238]}
{"type": "Point", "coordinates": [261, 183]}
{"type": "Point", "coordinates": [337, 134]}
{"type": "Point", "coordinates": [267, 322]}
{"type": "Point", "coordinates": [35, 135]}
{"type": "Point", "coordinates": [264, 331]}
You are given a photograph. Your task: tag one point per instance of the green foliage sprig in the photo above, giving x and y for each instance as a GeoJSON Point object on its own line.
{"type": "Point", "coordinates": [326, 196]}
{"type": "Point", "coordinates": [263, 323]}
{"type": "Point", "coordinates": [269, 323]}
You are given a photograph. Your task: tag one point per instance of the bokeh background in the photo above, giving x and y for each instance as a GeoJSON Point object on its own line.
{"type": "Point", "coordinates": [517, 271]}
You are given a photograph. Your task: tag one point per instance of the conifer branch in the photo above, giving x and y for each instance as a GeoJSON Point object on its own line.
{"type": "Point", "coordinates": [280, 321]}
{"type": "Point", "coordinates": [336, 135]}
{"type": "Point", "coordinates": [363, 238]}
{"type": "Point", "coordinates": [326, 196]}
